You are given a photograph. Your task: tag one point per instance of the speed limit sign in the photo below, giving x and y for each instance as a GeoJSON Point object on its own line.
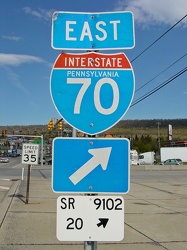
{"type": "Point", "coordinates": [30, 154]}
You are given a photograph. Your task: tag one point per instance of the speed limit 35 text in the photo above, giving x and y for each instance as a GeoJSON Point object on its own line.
{"type": "Point", "coordinates": [30, 149]}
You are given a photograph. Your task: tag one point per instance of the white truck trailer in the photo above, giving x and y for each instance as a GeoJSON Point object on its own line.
{"type": "Point", "coordinates": [134, 159]}
{"type": "Point", "coordinates": [173, 153]}
{"type": "Point", "coordinates": [147, 158]}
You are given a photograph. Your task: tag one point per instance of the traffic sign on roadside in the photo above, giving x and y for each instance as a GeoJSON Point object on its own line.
{"type": "Point", "coordinates": [92, 31]}
{"type": "Point", "coordinates": [90, 218]}
{"type": "Point", "coordinates": [90, 165]}
{"type": "Point", "coordinates": [92, 91]}
{"type": "Point", "coordinates": [30, 153]}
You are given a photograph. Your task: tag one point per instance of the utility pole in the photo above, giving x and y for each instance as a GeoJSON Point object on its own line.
{"type": "Point", "coordinates": [158, 123]}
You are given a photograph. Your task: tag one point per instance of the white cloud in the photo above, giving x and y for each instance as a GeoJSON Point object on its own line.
{"type": "Point", "coordinates": [39, 13]}
{"type": "Point", "coordinates": [16, 60]}
{"type": "Point", "coordinates": [16, 82]}
{"type": "Point", "coordinates": [152, 12]}
{"type": "Point", "coordinates": [13, 38]}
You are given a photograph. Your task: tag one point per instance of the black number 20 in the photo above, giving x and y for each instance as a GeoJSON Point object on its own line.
{"type": "Point", "coordinates": [75, 224]}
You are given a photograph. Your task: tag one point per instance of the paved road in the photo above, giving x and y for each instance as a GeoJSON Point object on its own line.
{"type": "Point", "coordinates": [156, 176]}
{"type": "Point", "coordinates": [14, 170]}
{"type": "Point", "coordinates": [155, 216]}
{"type": "Point", "coordinates": [155, 213]}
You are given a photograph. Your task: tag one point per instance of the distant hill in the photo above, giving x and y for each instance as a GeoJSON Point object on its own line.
{"type": "Point", "coordinates": [124, 128]}
{"type": "Point", "coordinates": [152, 123]}
{"type": "Point", "coordinates": [133, 128]}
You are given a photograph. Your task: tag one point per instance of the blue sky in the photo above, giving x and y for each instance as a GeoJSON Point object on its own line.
{"type": "Point", "coordinates": [27, 58]}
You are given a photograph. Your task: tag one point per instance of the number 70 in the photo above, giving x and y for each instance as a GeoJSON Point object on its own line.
{"type": "Point", "coordinates": [85, 85]}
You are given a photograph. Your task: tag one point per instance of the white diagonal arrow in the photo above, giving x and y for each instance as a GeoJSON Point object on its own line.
{"type": "Point", "coordinates": [100, 157]}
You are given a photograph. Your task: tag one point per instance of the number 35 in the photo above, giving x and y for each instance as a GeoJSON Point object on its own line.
{"type": "Point", "coordinates": [30, 158]}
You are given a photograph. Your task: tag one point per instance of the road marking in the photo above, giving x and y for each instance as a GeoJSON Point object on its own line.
{"type": "Point", "coordinates": [5, 188]}
{"type": "Point", "coordinates": [16, 166]}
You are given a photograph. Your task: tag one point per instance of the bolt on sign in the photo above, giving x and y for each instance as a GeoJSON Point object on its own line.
{"type": "Point", "coordinates": [92, 91]}
{"type": "Point", "coordinates": [92, 31]}
{"type": "Point", "coordinates": [90, 218]}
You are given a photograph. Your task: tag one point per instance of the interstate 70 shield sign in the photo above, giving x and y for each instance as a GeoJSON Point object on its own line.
{"type": "Point", "coordinates": [92, 91]}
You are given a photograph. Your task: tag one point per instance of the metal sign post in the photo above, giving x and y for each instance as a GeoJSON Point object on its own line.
{"type": "Point", "coordinates": [90, 245]}
{"type": "Point", "coordinates": [30, 154]}
{"type": "Point", "coordinates": [92, 92]}
{"type": "Point", "coordinates": [28, 184]}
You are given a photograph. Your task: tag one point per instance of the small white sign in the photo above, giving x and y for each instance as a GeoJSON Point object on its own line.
{"type": "Point", "coordinates": [90, 218]}
{"type": "Point", "coordinates": [30, 154]}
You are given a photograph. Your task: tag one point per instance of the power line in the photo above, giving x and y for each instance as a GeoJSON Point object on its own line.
{"type": "Point", "coordinates": [160, 73]}
{"type": "Point", "coordinates": [159, 87]}
{"type": "Point", "coordinates": [159, 38]}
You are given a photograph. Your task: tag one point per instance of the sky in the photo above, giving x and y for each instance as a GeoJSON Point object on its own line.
{"type": "Point", "coordinates": [27, 57]}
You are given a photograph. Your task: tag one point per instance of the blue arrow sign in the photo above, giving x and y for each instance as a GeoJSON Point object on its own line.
{"type": "Point", "coordinates": [92, 91]}
{"type": "Point", "coordinates": [90, 165]}
{"type": "Point", "coordinates": [93, 31]}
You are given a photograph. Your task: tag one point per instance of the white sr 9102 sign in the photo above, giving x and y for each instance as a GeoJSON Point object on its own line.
{"type": "Point", "coordinates": [90, 218]}
{"type": "Point", "coordinates": [30, 153]}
